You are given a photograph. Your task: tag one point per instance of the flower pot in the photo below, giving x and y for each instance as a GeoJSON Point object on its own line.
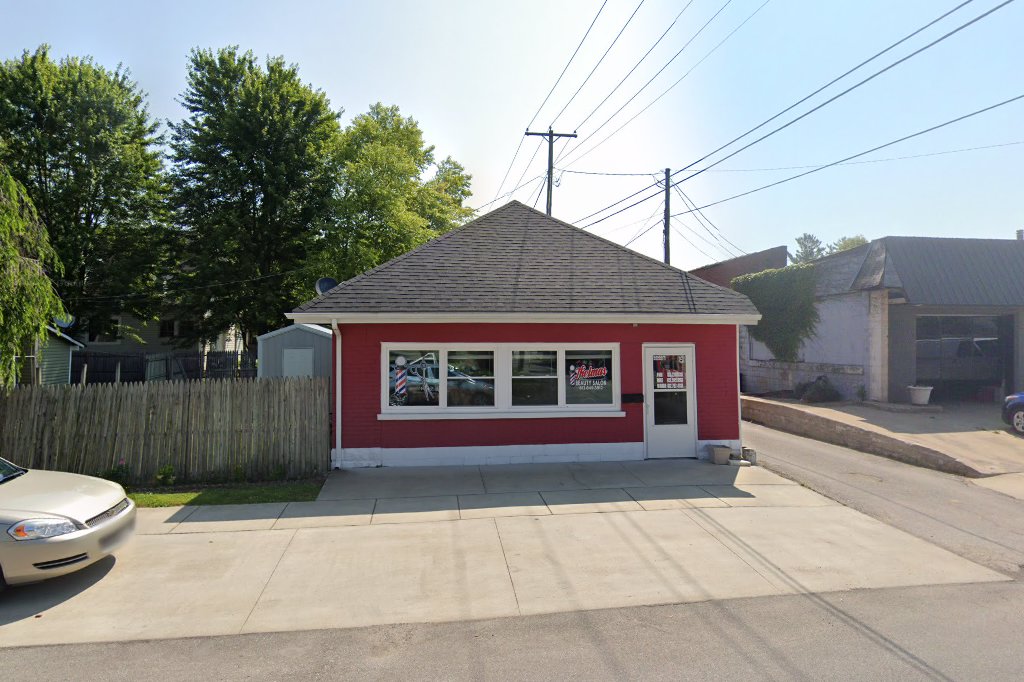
{"type": "Point", "coordinates": [720, 454]}
{"type": "Point", "coordinates": [919, 395]}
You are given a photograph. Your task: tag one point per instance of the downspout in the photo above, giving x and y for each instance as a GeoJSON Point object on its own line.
{"type": "Point", "coordinates": [336, 338]}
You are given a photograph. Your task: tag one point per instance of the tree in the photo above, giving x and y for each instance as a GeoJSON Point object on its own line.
{"type": "Point", "coordinates": [79, 138]}
{"type": "Point", "coordinates": [847, 243]}
{"type": "Point", "coordinates": [809, 248]}
{"type": "Point", "coordinates": [256, 174]}
{"type": "Point", "coordinates": [28, 301]}
{"type": "Point", "coordinates": [386, 206]}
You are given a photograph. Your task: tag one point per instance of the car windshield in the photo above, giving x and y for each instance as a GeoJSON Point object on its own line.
{"type": "Point", "coordinates": [8, 470]}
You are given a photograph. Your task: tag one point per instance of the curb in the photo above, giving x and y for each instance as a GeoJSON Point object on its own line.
{"type": "Point", "coordinates": [793, 420]}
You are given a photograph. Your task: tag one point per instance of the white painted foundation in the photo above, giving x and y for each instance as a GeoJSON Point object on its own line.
{"type": "Point", "coordinates": [500, 454]}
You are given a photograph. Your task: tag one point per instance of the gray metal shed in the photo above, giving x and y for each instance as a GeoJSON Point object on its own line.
{"type": "Point", "coordinates": [299, 350]}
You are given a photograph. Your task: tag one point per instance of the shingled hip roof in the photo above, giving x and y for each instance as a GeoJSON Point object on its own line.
{"type": "Point", "coordinates": [518, 261]}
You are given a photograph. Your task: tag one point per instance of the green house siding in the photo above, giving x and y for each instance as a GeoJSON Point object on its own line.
{"type": "Point", "coordinates": [55, 357]}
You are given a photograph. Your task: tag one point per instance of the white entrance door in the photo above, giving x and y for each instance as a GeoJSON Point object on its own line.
{"type": "Point", "coordinates": [670, 406]}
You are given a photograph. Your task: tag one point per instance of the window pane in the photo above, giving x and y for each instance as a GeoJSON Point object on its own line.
{"type": "Point", "coordinates": [588, 377]}
{"type": "Point", "coordinates": [413, 377]}
{"type": "Point", "coordinates": [470, 378]}
{"type": "Point", "coordinates": [956, 327]}
{"type": "Point", "coordinates": [534, 363]}
{"type": "Point", "coordinates": [472, 363]}
{"type": "Point", "coordinates": [670, 407]}
{"type": "Point", "coordinates": [469, 391]}
{"type": "Point", "coordinates": [669, 371]}
{"type": "Point", "coordinates": [535, 391]}
{"type": "Point", "coordinates": [929, 327]}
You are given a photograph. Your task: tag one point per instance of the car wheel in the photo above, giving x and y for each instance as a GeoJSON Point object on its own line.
{"type": "Point", "coordinates": [1017, 420]}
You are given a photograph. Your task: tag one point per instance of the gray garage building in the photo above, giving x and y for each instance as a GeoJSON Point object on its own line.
{"type": "Point", "coordinates": [901, 311]}
{"type": "Point", "coordinates": [298, 350]}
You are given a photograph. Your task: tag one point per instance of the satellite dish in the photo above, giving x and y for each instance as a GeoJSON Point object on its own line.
{"type": "Point", "coordinates": [64, 322]}
{"type": "Point", "coordinates": [325, 284]}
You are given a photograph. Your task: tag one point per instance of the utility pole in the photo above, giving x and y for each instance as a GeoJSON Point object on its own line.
{"type": "Point", "coordinates": [551, 156]}
{"type": "Point", "coordinates": [668, 212]}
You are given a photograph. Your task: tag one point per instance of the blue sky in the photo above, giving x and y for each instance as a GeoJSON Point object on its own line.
{"type": "Point", "coordinates": [474, 73]}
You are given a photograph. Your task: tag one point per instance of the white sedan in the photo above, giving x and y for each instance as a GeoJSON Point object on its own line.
{"type": "Point", "coordinates": [53, 523]}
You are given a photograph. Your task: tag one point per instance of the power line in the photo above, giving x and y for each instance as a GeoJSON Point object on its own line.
{"type": "Point", "coordinates": [844, 92]}
{"type": "Point", "coordinates": [687, 239]}
{"type": "Point", "coordinates": [649, 218]}
{"type": "Point", "coordinates": [507, 194]}
{"type": "Point", "coordinates": [618, 35]}
{"type": "Point", "coordinates": [566, 171]}
{"type": "Point", "coordinates": [659, 72]}
{"type": "Point", "coordinates": [696, 233]}
{"type": "Point", "coordinates": [869, 151]}
{"type": "Point", "coordinates": [704, 222]}
{"type": "Point", "coordinates": [854, 156]}
{"type": "Point", "coordinates": [820, 106]}
{"type": "Point", "coordinates": [669, 88]}
{"type": "Point", "coordinates": [557, 81]}
{"type": "Point", "coordinates": [204, 286]}
{"type": "Point", "coordinates": [635, 66]}
{"type": "Point", "coordinates": [529, 163]}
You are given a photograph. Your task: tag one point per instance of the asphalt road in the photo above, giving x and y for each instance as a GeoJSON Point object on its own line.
{"type": "Point", "coordinates": [951, 632]}
{"type": "Point", "coordinates": [965, 632]}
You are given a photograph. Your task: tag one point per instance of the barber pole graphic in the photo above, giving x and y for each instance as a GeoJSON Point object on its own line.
{"type": "Point", "coordinates": [400, 376]}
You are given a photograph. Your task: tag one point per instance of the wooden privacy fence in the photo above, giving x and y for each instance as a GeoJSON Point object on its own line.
{"type": "Point", "coordinates": [205, 430]}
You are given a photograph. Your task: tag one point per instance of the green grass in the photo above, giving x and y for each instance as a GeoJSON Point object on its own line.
{"type": "Point", "coordinates": [303, 491]}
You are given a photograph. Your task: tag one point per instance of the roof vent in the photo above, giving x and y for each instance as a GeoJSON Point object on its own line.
{"type": "Point", "coordinates": [1020, 235]}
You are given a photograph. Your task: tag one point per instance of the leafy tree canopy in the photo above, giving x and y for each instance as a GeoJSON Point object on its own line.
{"type": "Point", "coordinates": [27, 299]}
{"type": "Point", "coordinates": [256, 171]}
{"type": "Point", "coordinates": [808, 248]}
{"type": "Point", "coordinates": [847, 243]}
{"type": "Point", "coordinates": [387, 204]}
{"type": "Point", "coordinates": [785, 299]}
{"type": "Point", "coordinates": [79, 138]}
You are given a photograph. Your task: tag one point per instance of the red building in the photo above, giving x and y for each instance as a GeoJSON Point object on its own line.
{"type": "Point", "coordinates": [520, 338]}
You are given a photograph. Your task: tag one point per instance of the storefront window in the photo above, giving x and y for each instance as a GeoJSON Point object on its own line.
{"type": "Point", "coordinates": [534, 377]}
{"type": "Point", "coordinates": [441, 378]}
{"type": "Point", "coordinates": [413, 378]}
{"type": "Point", "coordinates": [470, 378]}
{"type": "Point", "coordinates": [588, 377]}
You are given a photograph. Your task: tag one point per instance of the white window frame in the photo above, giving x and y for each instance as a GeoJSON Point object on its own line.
{"type": "Point", "coordinates": [502, 408]}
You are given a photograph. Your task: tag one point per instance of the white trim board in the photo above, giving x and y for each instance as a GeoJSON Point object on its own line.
{"type": "Point", "coordinates": [298, 326]}
{"type": "Point", "coordinates": [496, 454]}
{"type": "Point", "coordinates": [523, 318]}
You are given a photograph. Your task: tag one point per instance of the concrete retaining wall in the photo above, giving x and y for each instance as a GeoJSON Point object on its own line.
{"type": "Point", "coordinates": [791, 419]}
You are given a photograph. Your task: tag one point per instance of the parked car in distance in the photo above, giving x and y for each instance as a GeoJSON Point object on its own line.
{"type": "Point", "coordinates": [1013, 412]}
{"type": "Point", "coordinates": [53, 523]}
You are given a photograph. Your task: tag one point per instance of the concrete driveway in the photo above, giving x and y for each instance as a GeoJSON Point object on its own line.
{"type": "Point", "coordinates": [455, 543]}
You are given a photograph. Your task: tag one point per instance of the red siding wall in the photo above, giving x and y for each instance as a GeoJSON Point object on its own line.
{"type": "Point", "coordinates": [716, 375]}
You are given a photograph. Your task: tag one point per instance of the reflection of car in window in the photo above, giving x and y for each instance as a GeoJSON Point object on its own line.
{"type": "Point", "coordinates": [464, 389]}
{"type": "Point", "coordinates": [423, 384]}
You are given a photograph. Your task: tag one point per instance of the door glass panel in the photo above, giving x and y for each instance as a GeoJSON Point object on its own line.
{"type": "Point", "coordinates": [669, 408]}
{"type": "Point", "coordinates": [669, 372]}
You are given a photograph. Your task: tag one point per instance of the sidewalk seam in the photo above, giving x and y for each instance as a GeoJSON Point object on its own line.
{"type": "Point", "coordinates": [508, 569]}
{"type": "Point", "coordinates": [277, 565]}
